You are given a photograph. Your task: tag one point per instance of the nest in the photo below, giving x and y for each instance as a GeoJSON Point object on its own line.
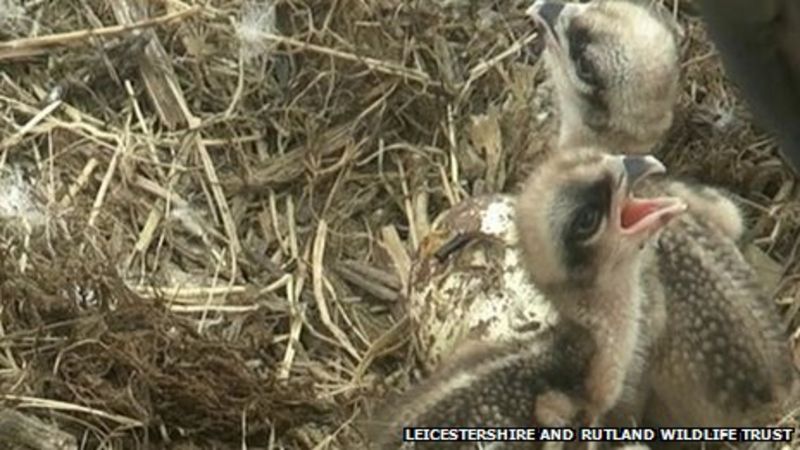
{"type": "Point", "coordinates": [209, 209]}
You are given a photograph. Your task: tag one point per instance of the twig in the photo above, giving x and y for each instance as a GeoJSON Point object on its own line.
{"type": "Point", "coordinates": [482, 67]}
{"type": "Point", "coordinates": [17, 429]}
{"type": "Point", "coordinates": [371, 286]}
{"type": "Point", "coordinates": [317, 258]}
{"type": "Point", "coordinates": [176, 292]}
{"type": "Point", "coordinates": [43, 403]}
{"type": "Point", "coordinates": [394, 247]}
{"type": "Point", "coordinates": [28, 47]}
{"type": "Point", "coordinates": [378, 65]}
{"type": "Point", "coordinates": [15, 138]}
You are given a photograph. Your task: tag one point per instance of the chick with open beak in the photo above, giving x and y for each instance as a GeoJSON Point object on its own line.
{"type": "Point", "coordinates": [582, 232]}
{"type": "Point", "coordinates": [615, 69]}
{"type": "Point", "coordinates": [582, 236]}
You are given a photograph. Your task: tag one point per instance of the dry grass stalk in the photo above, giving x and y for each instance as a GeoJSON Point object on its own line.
{"type": "Point", "coordinates": [35, 46]}
{"type": "Point", "coordinates": [228, 232]}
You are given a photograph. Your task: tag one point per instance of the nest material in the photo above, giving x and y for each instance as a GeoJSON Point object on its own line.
{"type": "Point", "coordinates": [227, 197]}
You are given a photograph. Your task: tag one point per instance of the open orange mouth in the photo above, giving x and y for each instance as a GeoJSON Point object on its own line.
{"type": "Point", "coordinates": [643, 215]}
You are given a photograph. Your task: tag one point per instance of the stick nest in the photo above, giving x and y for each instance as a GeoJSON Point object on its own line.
{"type": "Point", "coordinates": [208, 209]}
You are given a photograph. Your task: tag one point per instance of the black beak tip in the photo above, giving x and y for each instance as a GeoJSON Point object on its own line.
{"type": "Point", "coordinates": [549, 12]}
{"type": "Point", "coordinates": [638, 167]}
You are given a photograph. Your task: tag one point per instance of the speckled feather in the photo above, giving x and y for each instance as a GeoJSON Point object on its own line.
{"type": "Point", "coordinates": [493, 385]}
{"type": "Point", "coordinates": [476, 290]}
{"type": "Point", "coordinates": [722, 358]}
{"type": "Point", "coordinates": [722, 346]}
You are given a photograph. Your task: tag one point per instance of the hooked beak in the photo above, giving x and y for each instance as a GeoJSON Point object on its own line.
{"type": "Point", "coordinates": [642, 217]}
{"type": "Point", "coordinates": [546, 13]}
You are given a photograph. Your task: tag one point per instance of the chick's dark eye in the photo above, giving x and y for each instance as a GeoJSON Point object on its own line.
{"type": "Point", "coordinates": [585, 70]}
{"type": "Point", "coordinates": [586, 222]}
{"type": "Point", "coordinates": [579, 40]}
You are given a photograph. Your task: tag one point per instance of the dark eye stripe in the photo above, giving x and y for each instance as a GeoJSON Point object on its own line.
{"type": "Point", "coordinates": [597, 194]}
{"type": "Point", "coordinates": [596, 115]}
{"type": "Point", "coordinates": [579, 39]}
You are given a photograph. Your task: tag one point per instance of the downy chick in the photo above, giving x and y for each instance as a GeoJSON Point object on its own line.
{"type": "Point", "coordinates": [615, 69]}
{"type": "Point", "coordinates": [584, 236]}
{"type": "Point", "coordinates": [488, 384]}
{"type": "Point", "coordinates": [447, 303]}
{"type": "Point", "coordinates": [711, 210]}
{"type": "Point", "coordinates": [722, 359]}
{"type": "Point", "coordinates": [618, 61]}
{"type": "Point", "coordinates": [714, 205]}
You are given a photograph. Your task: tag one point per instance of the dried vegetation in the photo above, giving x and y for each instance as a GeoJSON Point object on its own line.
{"type": "Point", "coordinates": [209, 209]}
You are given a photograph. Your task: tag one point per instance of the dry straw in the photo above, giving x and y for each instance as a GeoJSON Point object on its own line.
{"type": "Point", "coordinates": [228, 196]}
